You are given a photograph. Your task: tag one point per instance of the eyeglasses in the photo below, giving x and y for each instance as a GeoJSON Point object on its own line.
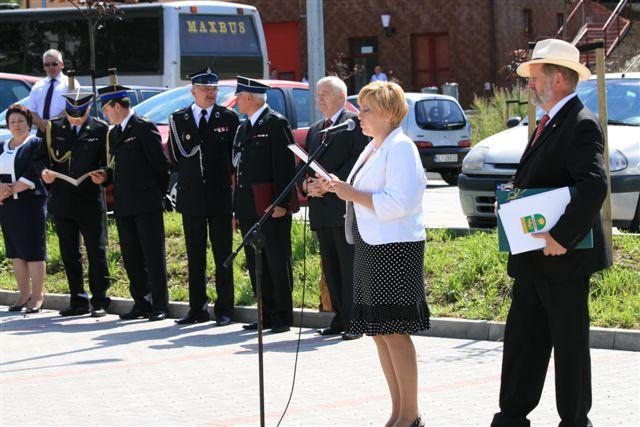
{"type": "Point", "coordinates": [51, 64]}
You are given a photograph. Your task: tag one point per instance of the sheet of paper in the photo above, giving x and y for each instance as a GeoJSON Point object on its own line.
{"type": "Point", "coordinates": [534, 214]}
{"type": "Point", "coordinates": [298, 151]}
{"type": "Point", "coordinates": [72, 181]}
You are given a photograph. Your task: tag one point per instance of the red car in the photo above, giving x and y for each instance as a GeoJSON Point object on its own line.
{"type": "Point", "coordinates": [291, 99]}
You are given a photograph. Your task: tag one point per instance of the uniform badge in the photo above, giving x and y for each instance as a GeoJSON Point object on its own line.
{"type": "Point", "coordinates": [188, 137]}
{"type": "Point", "coordinates": [217, 115]}
{"type": "Point", "coordinates": [186, 116]}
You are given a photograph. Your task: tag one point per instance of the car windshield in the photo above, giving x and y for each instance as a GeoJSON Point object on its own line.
{"type": "Point", "coordinates": [439, 114]}
{"type": "Point", "coordinates": [3, 115]}
{"type": "Point", "coordinates": [623, 100]}
{"type": "Point", "coordinates": [158, 108]}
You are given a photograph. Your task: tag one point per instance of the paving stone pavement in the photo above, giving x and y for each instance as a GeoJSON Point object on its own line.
{"type": "Point", "coordinates": [106, 372]}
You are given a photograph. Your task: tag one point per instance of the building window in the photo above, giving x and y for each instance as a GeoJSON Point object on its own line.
{"type": "Point", "coordinates": [560, 19]}
{"type": "Point", "coordinates": [528, 21]}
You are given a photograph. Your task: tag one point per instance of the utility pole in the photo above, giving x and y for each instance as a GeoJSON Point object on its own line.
{"type": "Point", "coordinates": [315, 52]}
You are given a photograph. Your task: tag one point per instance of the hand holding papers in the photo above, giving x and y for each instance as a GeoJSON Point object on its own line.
{"type": "Point", "coordinates": [529, 214]}
{"type": "Point", "coordinates": [302, 155]}
{"type": "Point", "coordinates": [72, 181]}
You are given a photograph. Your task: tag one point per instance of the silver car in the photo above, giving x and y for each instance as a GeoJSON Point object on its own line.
{"type": "Point", "coordinates": [494, 160]}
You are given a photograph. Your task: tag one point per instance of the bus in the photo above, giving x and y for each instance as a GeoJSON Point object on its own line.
{"type": "Point", "coordinates": [156, 44]}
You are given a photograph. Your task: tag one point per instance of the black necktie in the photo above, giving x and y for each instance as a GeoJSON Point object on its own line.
{"type": "Point", "coordinates": [47, 100]}
{"type": "Point", "coordinates": [202, 125]}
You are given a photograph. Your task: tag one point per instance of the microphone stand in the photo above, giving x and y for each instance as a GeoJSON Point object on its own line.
{"type": "Point", "coordinates": [256, 239]}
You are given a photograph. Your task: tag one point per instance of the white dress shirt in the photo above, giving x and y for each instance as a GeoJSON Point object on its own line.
{"type": "Point", "coordinates": [335, 117]}
{"type": "Point", "coordinates": [395, 178]}
{"type": "Point", "coordinates": [554, 110]}
{"type": "Point", "coordinates": [123, 123]}
{"type": "Point", "coordinates": [39, 93]}
{"type": "Point", "coordinates": [197, 112]}
{"type": "Point", "coordinates": [254, 116]}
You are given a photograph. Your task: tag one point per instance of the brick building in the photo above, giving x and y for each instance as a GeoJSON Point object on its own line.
{"type": "Point", "coordinates": [430, 41]}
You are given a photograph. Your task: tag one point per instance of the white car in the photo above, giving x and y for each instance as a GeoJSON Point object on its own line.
{"type": "Point", "coordinates": [494, 160]}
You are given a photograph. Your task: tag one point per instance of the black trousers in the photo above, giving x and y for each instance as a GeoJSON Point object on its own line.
{"type": "Point", "coordinates": [337, 264]}
{"type": "Point", "coordinates": [93, 233]}
{"type": "Point", "coordinates": [543, 316]}
{"type": "Point", "coordinates": [143, 255]}
{"type": "Point", "coordinates": [277, 271]}
{"type": "Point", "coordinates": [220, 236]}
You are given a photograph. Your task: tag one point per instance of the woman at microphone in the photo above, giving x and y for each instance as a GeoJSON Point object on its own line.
{"type": "Point", "coordinates": [384, 221]}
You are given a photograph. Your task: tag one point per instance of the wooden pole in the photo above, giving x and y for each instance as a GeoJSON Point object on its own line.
{"type": "Point", "coordinates": [602, 113]}
{"type": "Point", "coordinates": [531, 109]}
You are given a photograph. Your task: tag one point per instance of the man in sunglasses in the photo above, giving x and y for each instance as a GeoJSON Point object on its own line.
{"type": "Point", "coordinates": [46, 99]}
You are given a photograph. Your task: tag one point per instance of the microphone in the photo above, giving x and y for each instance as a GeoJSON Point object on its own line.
{"type": "Point", "coordinates": [347, 125]}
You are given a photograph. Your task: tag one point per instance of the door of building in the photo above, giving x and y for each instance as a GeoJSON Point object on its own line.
{"type": "Point", "coordinates": [283, 46]}
{"type": "Point", "coordinates": [430, 59]}
{"type": "Point", "coordinates": [364, 52]}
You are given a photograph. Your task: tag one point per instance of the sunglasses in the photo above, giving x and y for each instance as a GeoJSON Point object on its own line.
{"type": "Point", "coordinates": [51, 64]}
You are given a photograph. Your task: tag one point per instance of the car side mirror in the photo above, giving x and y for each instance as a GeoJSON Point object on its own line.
{"type": "Point", "coordinates": [513, 121]}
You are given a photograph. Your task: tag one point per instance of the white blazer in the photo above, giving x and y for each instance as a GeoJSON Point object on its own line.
{"type": "Point", "coordinates": [395, 178]}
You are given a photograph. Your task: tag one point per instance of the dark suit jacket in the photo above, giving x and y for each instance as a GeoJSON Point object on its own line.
{"type": "Point", "coordinates": [209, 193]}
{"type": "Point", "coordinates": [140, 169]}
{"type": "Point", "coordinates": [338, 158]}
{"type": "Point", "coordinates": [28, 164]}
{"type": "Point", "coordinates": [569, 152]}
{"type": "Point", "coordinates": [264, 159]}
{"type": "Point", "coordinates": [88, 153]}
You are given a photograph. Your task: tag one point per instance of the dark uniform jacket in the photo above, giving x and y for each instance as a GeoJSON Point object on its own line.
{"type": "Point", "coordinates": [28, 163]}
{"type": "Point", "coordinates": [88, 153]}
{"type": "Point", "coordinates": [204, 179]}
{"type": "Point", "coordinates": [265, 165]}
{"type": "Point", "coordinates": [139, 167]}
{"type": "Point", "coordinates": [568, 152]}
{"type": "Point", "coordinates": [338, 158]}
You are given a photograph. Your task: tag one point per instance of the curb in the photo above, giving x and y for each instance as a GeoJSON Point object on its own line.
{"type": "Point", "coordinates": [482, 330]}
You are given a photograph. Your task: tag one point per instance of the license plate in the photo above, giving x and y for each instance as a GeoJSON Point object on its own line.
{"type": "Point", "coordinates": [445, 158]}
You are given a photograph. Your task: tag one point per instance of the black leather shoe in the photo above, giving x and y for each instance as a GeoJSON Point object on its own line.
{"type": "Point", "coordinates": [32, 310]}
{"type": "Point", "coordinates": [194, 317]}
{"type": "Point", "coordinates": [223, 321]}
{"type": "Point", "coordinates": [157, 315]}
{"type": "Point", "coordinates": [19, 307]}
{"type": "Point", "coordinates": [134, 314]}
{"type": "Point", "coordinates": [329, 331]}
{"type": "Point", "coordinates": [74, 310]}
{"type": "Point", "coordinates": [280, 329]}
{"type": "Point", "coordinates": [250, 326]}
{"type": "Point", "coordinates": [347, 336]}
{"type": "Point", "coordinates": [99, 312]}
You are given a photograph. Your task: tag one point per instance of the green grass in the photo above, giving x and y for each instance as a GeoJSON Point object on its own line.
{"type": "Point", "coordinates": [490, 113]}
{"type": "Point", "coordinates": [465, 276]}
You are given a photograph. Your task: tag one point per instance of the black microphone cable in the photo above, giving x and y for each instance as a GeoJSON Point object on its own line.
{"type": "Point", "coordinates": [304, 288]}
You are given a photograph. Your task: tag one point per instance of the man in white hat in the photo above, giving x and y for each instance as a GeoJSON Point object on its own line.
{"type": "Point", "coordinates": [549, 307]}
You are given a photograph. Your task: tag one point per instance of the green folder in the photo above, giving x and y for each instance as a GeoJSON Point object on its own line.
{"type": "Point", "coordinates": [504, 196]}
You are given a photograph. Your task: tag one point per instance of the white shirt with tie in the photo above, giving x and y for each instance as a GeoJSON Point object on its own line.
{"type": "Point", "coordinates": [39, 93]}
{"type": "Point", "coordinates": [197, 113]}
{"type": "Point", "coordinates": [396, 180]}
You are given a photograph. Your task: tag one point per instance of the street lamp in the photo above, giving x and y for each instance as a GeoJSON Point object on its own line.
{"type": "Point", "coordinates": [386, 20]}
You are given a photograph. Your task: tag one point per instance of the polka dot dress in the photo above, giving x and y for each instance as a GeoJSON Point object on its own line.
{"type": "Point", "coordinates": [388, 287]}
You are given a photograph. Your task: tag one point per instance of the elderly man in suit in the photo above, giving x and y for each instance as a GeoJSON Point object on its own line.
{"type": "Point", "coordinates": [264, 167]}
{"type": "Point", "coordinates": [326, 210]}
{"type": "Point", "coordinates": [550, 308]}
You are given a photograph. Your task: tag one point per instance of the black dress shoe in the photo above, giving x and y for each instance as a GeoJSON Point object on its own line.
{"type": "Point", "coordinates": [418, 422]}
{"type": "Point", "coordinates": [134, 314]}
{"type": "Point", "coordinates": [99, 312]}
{"type": "Point", "coordinates": [19, 307]}
{"type": "Point", "coordinates": [31, 310]}
{"type": "Point", "coordinates": [194, 317]}
{"type": "Point", "coordinates": [157, 315]}
{"type": "Point", "coordinates": [348, 336]}
{"type": "Point", "coordinates": [329, 331]}
{"type": "Point", "coordinates": [280, 329]}
{"type": "Point", "coordinates": [223, 321]}
{"type": "Point", "coordinates": [250, 326]}
{"type": "Point", "coordinates": [74, 310]}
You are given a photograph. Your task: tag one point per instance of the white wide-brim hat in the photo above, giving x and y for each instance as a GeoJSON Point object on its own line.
{"type": "Point", "coordinates": [558, 52]}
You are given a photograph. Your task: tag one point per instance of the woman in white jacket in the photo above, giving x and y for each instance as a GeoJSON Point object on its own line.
{"type": "Point", "coordinates": [385, 222]}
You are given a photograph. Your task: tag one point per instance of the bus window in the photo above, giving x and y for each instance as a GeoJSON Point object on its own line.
{"type": "Point", "coordinates": [231, 40]}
